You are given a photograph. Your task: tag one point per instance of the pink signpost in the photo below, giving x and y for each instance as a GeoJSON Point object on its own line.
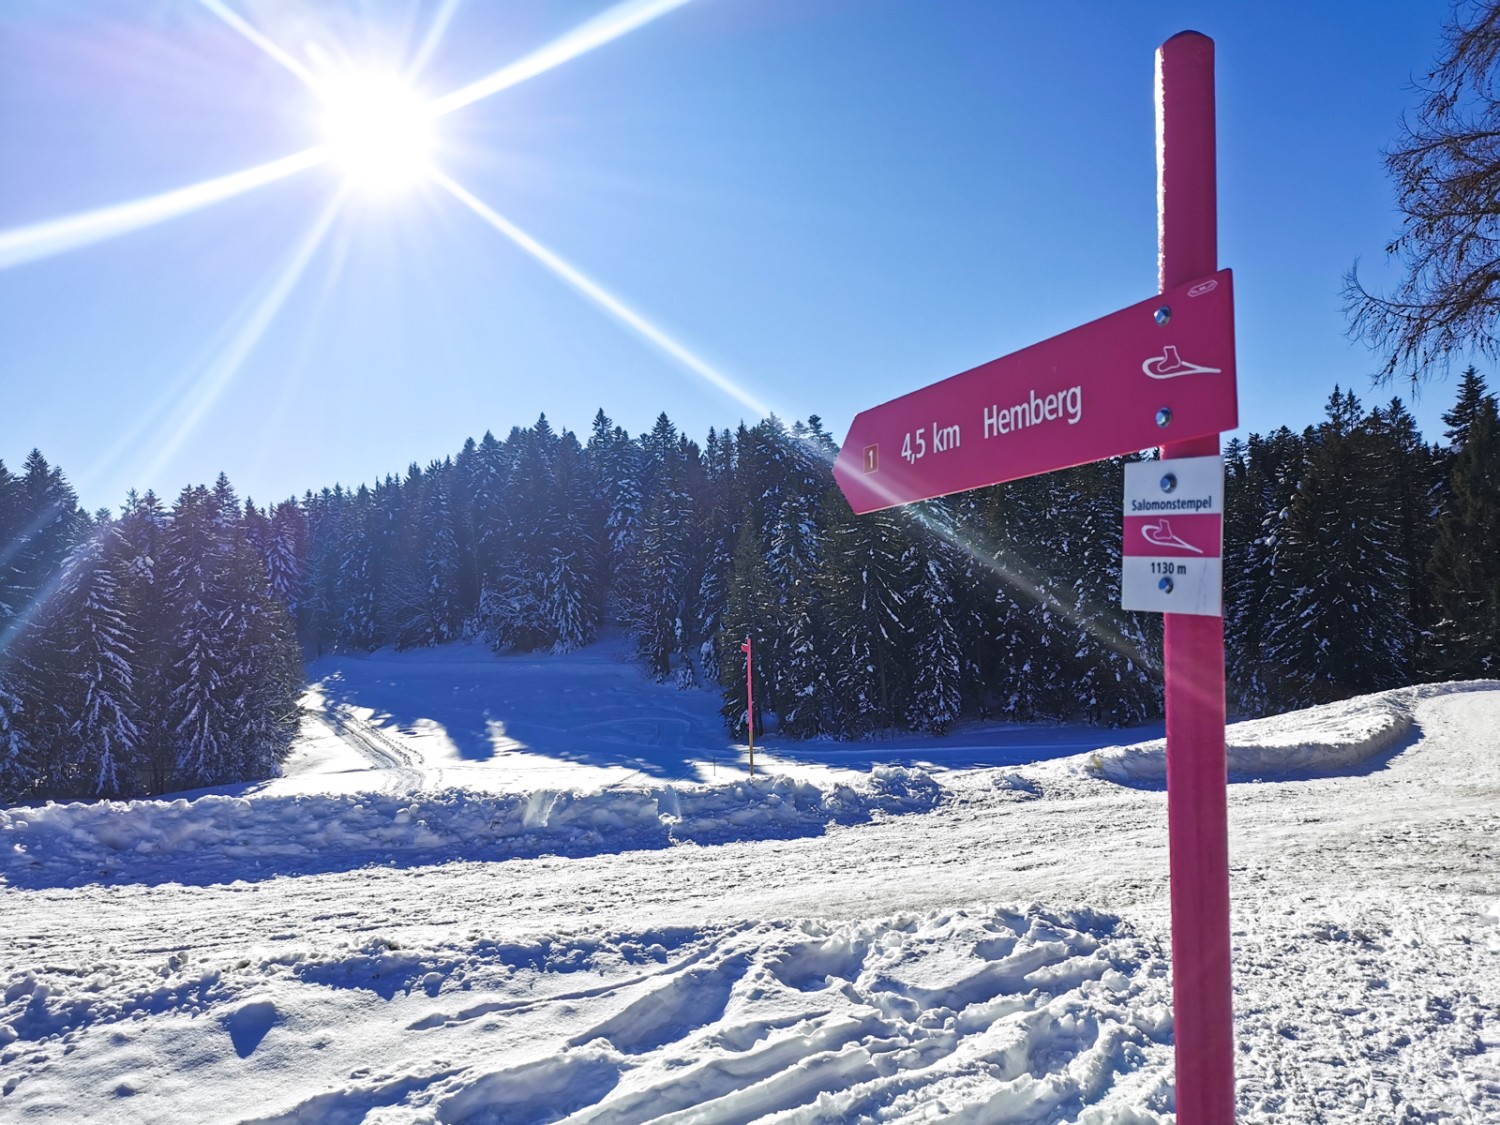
{"type": "Point", "coordinates": [1160, 372]}
{"type": "Point", "coordinates": [1113, 386]}
{"type": "Point", "coordinates": [1188, 247]}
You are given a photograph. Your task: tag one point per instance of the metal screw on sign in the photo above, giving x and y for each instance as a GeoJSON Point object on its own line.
{"type": "Point", "coordinates": [1165, 585]}
{"type": "Point", "coordinates": [1164, 417]}
{"type": "Point", "coordinates": [1163, 314]}
{"type": "Point", "coordinates": [1169, 482]}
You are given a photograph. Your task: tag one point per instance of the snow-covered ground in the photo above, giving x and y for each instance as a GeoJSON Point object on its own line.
{"type": "Point", "coordinates": [542, 889]}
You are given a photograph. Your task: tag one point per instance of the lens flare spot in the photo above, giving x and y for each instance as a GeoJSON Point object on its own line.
{"type": "Point", "coordinates": [378, 130]}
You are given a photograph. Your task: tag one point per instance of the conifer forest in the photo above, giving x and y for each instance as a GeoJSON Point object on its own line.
{"type": "Point", "coordinates": [160, 648]}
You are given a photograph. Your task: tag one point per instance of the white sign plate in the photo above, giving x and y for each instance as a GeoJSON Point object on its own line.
{"type": "Point", "coordinates": [1174, 536]}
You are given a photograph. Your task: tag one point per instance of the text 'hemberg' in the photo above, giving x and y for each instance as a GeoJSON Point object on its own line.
{"type": "Point", "coordinates": [1003, 420]}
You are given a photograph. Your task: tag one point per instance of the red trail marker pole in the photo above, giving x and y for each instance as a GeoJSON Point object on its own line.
{"type": "Point", "coordinates": [750, 697]}
{"type": "Point", "coordinates": [1187, 229]}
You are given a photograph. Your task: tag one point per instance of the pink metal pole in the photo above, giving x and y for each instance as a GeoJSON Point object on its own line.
{"type": "Point", "coordinates": [1187, 227]}
{"type": "Point", "coordinates": [750, 696]}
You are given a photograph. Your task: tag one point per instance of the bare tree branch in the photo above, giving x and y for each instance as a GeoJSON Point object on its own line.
{"type": "Point", "coordinates": [1446, 168]}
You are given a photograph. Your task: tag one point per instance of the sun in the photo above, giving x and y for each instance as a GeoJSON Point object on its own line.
{"type": "Point", "coordinates": [378, 130]}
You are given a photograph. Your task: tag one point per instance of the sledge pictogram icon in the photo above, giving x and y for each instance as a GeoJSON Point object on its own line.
{"type": "Point", "coordinates": [1162, 535]}
{"type": "Point", "coordinates": [1169, 365]}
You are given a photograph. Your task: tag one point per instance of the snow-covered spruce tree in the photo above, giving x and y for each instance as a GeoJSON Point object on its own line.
{"type": "Point", "coordinates": [43, 522]}
{"type": "Point", "coordinates": [691, 637]}
{"type": "Point", "coordinates": [937, 654]}
{"type": "Point", "coordinates": [799, 688]}
{"type": "Point", "coordinates": [419, 597]}
{"type": "Point", "coordinates": [285, 555]}
{"type": "Point", "coordinates": [319, 612]}
{"type": "Point", "coordinates": [716, 539]}
{"type": "Point", "coordinates": [1339, 622]}
{"type": "Point", "coordinates": [867, 588]}
{"type": "Point", "coordinates": [262, 675]}
{"type": "Point", "coordinates": [85, 662]}
{"type": "Point", "coordinates": [198, 721]}
{"type": "Point", "coordinates": [1026, 679]}
{"type": "Point", "coordinates": [614, 464]}
{"type": "Point", "coordinates": [747, 609]}
{"type": "Point", "coordinates": [489, 478]}
{"type": "Point", "coordinates": [512, 608]}
{"type": "Point", "coordinates": [12, 525]}
{"type": "Point", "coordinates": [18, 768]}
{"type": "Point", "coordinates": [1112, 657]}
{"type": "Point", "coordinates": [143, 531]}
{"type": "Point", "coordinates": [1246, 564]}
{"type": "Point", "coordinates": [1259, 506]}
{"type": "Point", "coordinates": [1465, 565]}
{"type": "Point", "coordinates": [50, 523]}
{"type": "Point", "coordinates": [658, 593]}
{"type": "Point", "coordinates": [440, 559]}
{"type": "Point", "coordinates": [571, 596]}
{"type": "Point", "coordinates": [973, 588]}
{"type": "Point", "coordinates": [1406, 463]}
{"type": "Point", "coordinates": [356, 579]}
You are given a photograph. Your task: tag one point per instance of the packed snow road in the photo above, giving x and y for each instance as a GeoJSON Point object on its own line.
{"type": "Point", "coordinates": [984, 943]}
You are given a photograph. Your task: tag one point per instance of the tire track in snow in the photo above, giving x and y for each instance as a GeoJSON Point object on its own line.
{"type": "Point", "coordinates": [375, 746]}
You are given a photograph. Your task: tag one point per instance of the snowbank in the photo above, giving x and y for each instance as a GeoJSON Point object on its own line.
{"type": "Point", "coordinates": [216, 838]}
{"type": "Point", "coordinates": [1318, 740]}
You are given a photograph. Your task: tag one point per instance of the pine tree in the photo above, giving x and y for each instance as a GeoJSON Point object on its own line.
{"type": "Point", "coordinates": [12, 526]}
{"type": "Point", "coordinates": [356, 581]}
{"type": "Point", "coordinates": [87, 664]}
{"type": "Point", "coordinates": [513, 602]}
{"type": "Point", "coordinates": [745, 615]}
{"type": "Point", "coordinates": [867, 588]}
{"type": "Point", "coordinates": [1109, 656]}
{"type": "Point", "coordinates": [18, 768]}
{"type": "Point", "coordinates": [658, 594]}
{"type": "Point", "coordinates": [1259, 500]}
{"type": "Point", "coordinates": [716, 533]}
{"type": "Point", "coordinates": [571, 591]}
{"type": "Point", "coordinates": [286, 555]}
{"type": "Point", "coordinates": [799, 688]}
{"type": "Point", "coordinates": [937, 658]}
{"type": "Point", "coordinates": [1026, 645]}
{"type": "Point", "coordinates": [142, 530]}
{"type": "Point", "coordinates": [1404, 465]}
{"type": "Point", "coordinates": [197, 719]}
{"type": "Point", "coordinates": [1466, 410]}
{"type": "Point", "coordinates": [1465, 566]}
{"type": "Point", "coordinates": [1340, 622]}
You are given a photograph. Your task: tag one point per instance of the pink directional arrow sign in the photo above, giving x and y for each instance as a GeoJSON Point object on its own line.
{"type": "Point", "coordinates": [1161, 370]}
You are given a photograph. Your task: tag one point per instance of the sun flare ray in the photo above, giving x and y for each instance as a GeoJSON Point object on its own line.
{"type": "Point", "coordinates": [259, 39]}
{"type": "Point", "coordinates": [435, 32]}
{"type": "Point", "coordinates": [221, 371]}
{"type": "Point", "coordinates": [56, 236]}
{"type": "Point", "coordinates": [604, 28]}
{"type": "Point", "coordinates": [604, 299]}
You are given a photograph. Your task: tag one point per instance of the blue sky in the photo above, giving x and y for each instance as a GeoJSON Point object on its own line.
{"type": "Point", "coordinates": [827, 202]}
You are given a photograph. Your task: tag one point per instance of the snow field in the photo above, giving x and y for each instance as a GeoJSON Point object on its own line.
{"type": "Point", "coordinates": [851, 951]}
{"type": "Point", "coordinates": [1022, 1013]}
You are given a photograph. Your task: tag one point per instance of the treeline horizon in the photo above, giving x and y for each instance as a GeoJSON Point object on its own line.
{"type": "Point", "coordinates": [158, 649]}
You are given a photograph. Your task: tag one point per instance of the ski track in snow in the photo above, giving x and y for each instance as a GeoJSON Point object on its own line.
{"type": "Point", "coordinates": [962, 943]}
